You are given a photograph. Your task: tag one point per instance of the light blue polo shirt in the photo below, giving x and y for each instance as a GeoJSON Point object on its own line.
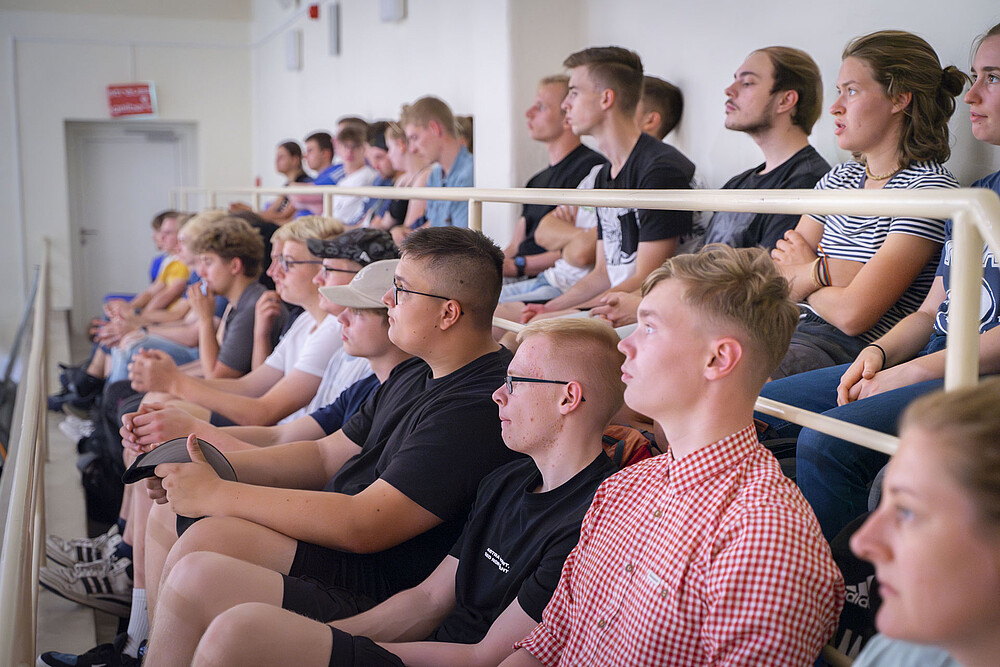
{"type": "Point", "coordinates": [451, 213]}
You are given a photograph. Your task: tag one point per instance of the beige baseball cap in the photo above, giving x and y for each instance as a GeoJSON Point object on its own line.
{"type": "Point", "coordinates": [366, 288]}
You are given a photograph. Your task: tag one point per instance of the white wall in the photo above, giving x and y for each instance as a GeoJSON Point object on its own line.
{"type": "Point", "coordinates": [55, 67]}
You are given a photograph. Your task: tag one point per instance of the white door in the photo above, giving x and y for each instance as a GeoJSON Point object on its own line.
{"type": "Point", "coordinates": [120, 176]}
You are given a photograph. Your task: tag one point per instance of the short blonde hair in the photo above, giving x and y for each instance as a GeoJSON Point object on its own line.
{"type": "Point", "coordinates": [591, 347]}
{"type": "Point", "coordinates": [428, 109]}
{"type": "Point", "coordinates": [741, 287]}
{"type": "Point", "coordinates": [308, 227]}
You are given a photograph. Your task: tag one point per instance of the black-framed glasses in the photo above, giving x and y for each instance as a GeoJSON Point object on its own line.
{"type": "Point", "coordinates": [330, 269]}
{"type": "Point", "coordinates": [511, 379]}
{"type": "Point", "coordinates": [396, 289]}
{"type": "Point", "coordinates": [286, 263]}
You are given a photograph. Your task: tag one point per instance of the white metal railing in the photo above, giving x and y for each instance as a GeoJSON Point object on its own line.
{"type": "Point", "coordinates": [975, 214]}
{"type": "Point", "coordinates": [24, 526]}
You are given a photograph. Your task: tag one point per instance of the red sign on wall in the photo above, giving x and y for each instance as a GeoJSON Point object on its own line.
{"type": "Point", "coordinates": [132, 99]}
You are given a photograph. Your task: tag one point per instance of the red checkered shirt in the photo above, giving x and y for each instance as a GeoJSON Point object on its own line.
{"type": "Point", "coordinates": [715, 559]}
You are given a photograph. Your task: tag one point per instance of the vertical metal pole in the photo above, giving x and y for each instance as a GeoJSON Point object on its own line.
{"type": "Point", "coordinates": [255, 200]}
{"type": "Point", "coordinates": [213, 199]}
{"type": "Point", "coordinates": [962, 355]}
{"type": "Point", "coordinates": [328, 204]}
{"type": "Point", "coordinates": [476, 215]}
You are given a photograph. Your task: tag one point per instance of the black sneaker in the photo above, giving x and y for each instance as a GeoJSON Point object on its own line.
{"type": "Point", "coordinates": [102, 655]}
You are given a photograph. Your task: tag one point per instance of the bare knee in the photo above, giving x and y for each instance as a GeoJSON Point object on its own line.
{"type": "Point", "coordinates": [196, 574]}
{"type": "Point", "coordinates": [232, 636]}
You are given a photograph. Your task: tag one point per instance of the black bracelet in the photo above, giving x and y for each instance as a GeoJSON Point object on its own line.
{"type": "Point", "coordinates": [880, 349]}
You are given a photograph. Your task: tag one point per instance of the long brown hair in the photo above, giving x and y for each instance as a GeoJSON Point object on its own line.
{"type": "Point", "coordinates": [902, 62]}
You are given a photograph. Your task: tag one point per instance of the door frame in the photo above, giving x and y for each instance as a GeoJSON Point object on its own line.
{"type": "Point", "coordinates": [79, 133]}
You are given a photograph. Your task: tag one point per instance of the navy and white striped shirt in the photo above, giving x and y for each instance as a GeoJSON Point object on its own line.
{"type": "Point", "coordinates": [858, 238]}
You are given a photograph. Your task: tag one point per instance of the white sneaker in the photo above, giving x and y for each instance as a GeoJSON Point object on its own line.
{"type": "Point", "coordinates": [82, 549]}
{"type": "Point", "coordinates": [104, 585]}
{"type": "Point", "coordinates": [76, 429]}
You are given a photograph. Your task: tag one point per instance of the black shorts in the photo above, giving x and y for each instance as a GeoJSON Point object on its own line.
{"type": "Point", "coordinates": [327, 584]}
{"type": "Point", "coordinates": [359, 651]}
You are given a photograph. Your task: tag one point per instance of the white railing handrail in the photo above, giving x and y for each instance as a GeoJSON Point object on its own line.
{"type": "Point", "coordinates": [975, 214]}
{"type": "Point", "coordinates": [20, 553]}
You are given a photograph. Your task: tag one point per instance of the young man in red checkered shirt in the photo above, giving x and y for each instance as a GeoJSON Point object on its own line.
{"type": "Point", "coordinates": [706, 555]}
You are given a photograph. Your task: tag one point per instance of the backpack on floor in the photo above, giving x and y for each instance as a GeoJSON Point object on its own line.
{"type": "Point", "coordinates": [626, 445]}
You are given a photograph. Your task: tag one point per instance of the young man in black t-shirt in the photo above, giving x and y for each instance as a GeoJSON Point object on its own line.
{"type": "Point", "coordinates": [776, 97]}
{"type": "Point", "coordinates": [569, 163]}
{"type": "Point", "coordinates": [564, 386]}
{"type": "Point", "coordinates": [604, 89]}
{"type": "Point", "coordinates": [399, 478]}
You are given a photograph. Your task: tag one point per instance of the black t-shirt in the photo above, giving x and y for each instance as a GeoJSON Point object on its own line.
{"type": "Point", "coordinates": [652, 165]}
{"type": "Point", "coordinates": [567, 173]}
{"type": "Point", "coordinates": [433, 440]}
{"type": "Point", "coordinates": [742, 229]}
{"type": "Point", "coordinates": [398, 209]}
{"type": "Point", "coordinates": [515, 544]}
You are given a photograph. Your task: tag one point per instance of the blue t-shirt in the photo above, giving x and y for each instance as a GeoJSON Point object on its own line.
{"type": "Point", "coordinates": [451, 213]}
{"type": "Point", "coordinates": [380, 205]}
{"type": "Point", "coordinates": [331, 417]}
{"type": "Point", "coordinates": [330, 176]}
{"type": "Point", "coordinates": [989, 316]}
{"type": "Point", "coordinates": [154, 267]}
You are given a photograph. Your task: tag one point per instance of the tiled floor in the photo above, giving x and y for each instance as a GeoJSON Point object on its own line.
{"type": "Point", "coordinates": [64, 625]}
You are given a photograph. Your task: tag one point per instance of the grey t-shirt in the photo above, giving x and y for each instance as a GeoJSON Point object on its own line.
{"type": "Point", "coordinates": [236, 349]}
{"type": "Point", "coordinates": [880, 651]}
{"type": "Point", "coordinates": [742, 229]}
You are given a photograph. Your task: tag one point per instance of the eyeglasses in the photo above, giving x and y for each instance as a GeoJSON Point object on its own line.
{"type": "Point", "coordinates": [396, 289]}
{"type": "Point", "coordinates": [511, 379]}
{"type": "Point", "coordinates": [286, 263]}
{"type": "Point", "coordinates": [330, 269]}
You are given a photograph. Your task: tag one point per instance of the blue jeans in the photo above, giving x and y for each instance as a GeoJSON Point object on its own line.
{"type": "Point", "coordinates": [120, 358]}
{"type": "Point", "coordinates": [833, 474]}
{"type": "Point", "coordinates": [530, 290]}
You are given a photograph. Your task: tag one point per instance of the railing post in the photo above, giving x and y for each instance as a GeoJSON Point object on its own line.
{"type": "Point", "coordinates": [213, 199]}
{"type": "Point", "coordinates": [962, 354]}
{"type": "Point", "coordinates": [476, 215]}
{"type": "Point", "coordinates": [328, 204]}
{"type": "Point", "coordinates": [255, 201]}
{"type": "Point", "coordinates": [184, 200]}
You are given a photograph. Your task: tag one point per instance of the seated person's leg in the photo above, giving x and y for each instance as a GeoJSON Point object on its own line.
{"type": "Point", "coordinates": [532, 289]}
{"type": "Point", "coordinates": [200, 587]}
{"type": "Point", "coordinates": [121, 358]}
{"type": "Point", "coordinates": [835, 475]}
{"type": "Point", "coordinates": [241, 539]}
{"type": "Point", "coordinates": [815, 391]}
{"type": "Point", "coordinates": [259, 633]}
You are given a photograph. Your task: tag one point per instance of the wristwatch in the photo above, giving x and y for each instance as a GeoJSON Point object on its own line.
{"type": "Point", "coordinates": [519, 263]}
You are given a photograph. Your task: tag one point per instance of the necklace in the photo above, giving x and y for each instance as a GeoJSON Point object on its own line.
{"type": "Point", "coordinates": [879, 177]}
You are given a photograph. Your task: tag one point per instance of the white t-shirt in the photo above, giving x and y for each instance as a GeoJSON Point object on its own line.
{"type": "Point", "coordinates": [349, 208]}
{"type": "Point", "coordinates": [564, 275]}
{"type": "Point", "coordinates": [305, 346]}
{"type": "Point", "coordinates": [341, 372]}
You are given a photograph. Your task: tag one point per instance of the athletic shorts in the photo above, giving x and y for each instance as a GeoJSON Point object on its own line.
{"type": "Point", "coordinates": [349, 650]}
{"type": "Point", "coordinates": [327, 584]}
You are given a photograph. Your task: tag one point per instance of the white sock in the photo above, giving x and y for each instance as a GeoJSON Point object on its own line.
{"type": "Point", "coordinates": [138, 623]}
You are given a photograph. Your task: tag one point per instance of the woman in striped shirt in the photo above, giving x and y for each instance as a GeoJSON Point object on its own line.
{"type": "Point", "coordinates": [856, 276]}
